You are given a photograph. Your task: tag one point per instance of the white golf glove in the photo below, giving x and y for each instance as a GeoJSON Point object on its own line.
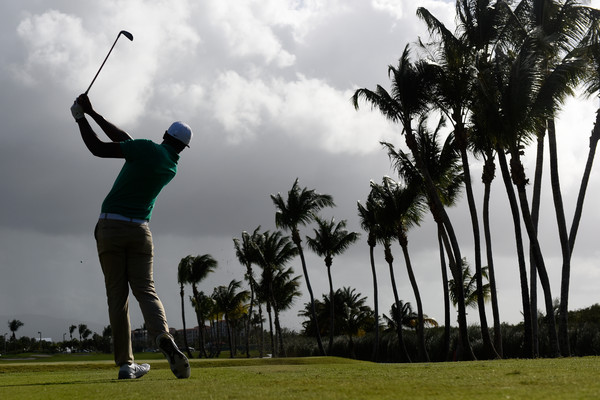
{"type": "Point", "coordinates": [77, 111]}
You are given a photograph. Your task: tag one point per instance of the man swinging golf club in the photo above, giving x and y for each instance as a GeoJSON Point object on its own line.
{"type": "Point", "coordinates": [123, 238]}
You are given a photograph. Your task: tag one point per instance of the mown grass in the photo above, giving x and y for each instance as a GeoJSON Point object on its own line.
{"type": "Point", "coordinates": [308, 378]}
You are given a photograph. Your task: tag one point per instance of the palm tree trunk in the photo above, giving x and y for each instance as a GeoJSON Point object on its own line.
{"type": "Point", "coordinates": [489, 169]}
{"type": "Point", "coordinates": [514, 207]}
{"type": "Point", "coordinates": [447, 322]}
{"type": "Point", "coordinates": [563, 331]}
{"type": "Point", "coordinates": [518, 175]}
{"type": "Point", "coordinates": [594, 137]}
{"type": "Point", "coordinates": [422, 351]}
{"type": "Point", "coordinates": [485, 332]}
{"type": "Point", "coordinates": [440, 214]}
{"type": "Point", "coordinates": [251, 283]}
{"type": "Point", "coordinates": [279, 334]}
{"type": "Point", "coordinates": [262, 332]}
{"type": "Point", "coordinates": [375, 356]}
{"type": "Point", "coordinates": [331, 309]}
{"type": "Point", "coordinates": [185, 342]}
{"type": "Point", "coordinates": [229, 336]}
{"type": "Point", "coordinates": [273, 350]}
{"type": "Point", "coordinates": [535, 211]}
{"type": "Point", "coordinates": [313, 311]}
{"type": "Point", "coordinates": [389, 258]}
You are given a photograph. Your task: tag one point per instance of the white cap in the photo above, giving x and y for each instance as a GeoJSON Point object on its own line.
{"type": "Point", "coordinates": [181, 131]}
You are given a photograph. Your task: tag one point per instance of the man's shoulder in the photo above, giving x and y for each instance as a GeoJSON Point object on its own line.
{"type": "Point", "coordinates": [138, 145]}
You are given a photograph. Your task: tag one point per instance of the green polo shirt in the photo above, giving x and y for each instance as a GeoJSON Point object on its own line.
{"type": "Point", "coordinates": [148, 168]}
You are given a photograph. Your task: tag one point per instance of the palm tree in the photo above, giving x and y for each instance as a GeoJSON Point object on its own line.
{"type": "Point", "coordinates": [14, 326]}
{"type": "Point", "coordinates": [184, 271]}
{"type": "Point", "coordinates": [274, 251]}
{"type": "Point", "coordinates": [228, 299]}
{"type": "Point", "coordinates": [406, 317]}
{"type": "Point", "coordinates": [356, 315]}
{"type": "Point", "coordinates": [592, 88]}
{"type": "Point", "coordinates": [71, 330]}
{"type": "Point", "coordinates": [297, 210]}
{"type": "Point", "coordinates": [453, 72]}
{"type": "Point", "coordinates": [353, 317]}
{"type": "Point", "coordinates": [368, 222]}
{"type": "Point", "coordinates": [286, 288]}
{"type": "Point", "coordinates": [200, 267]}
{"type": "Point", "coordinates": [403, 207]}
{"type": "Point", "coordinates": [469, 285]}
{"type": "Point", "coordinates": [409, 98]}
{"type": "Point", "coordinates": [445, 170]}
{"type": "Point", "coordinates": [517, 109]}
{"type": "Point", "coordinates": [203, 305]}
{"type": "Point", "coordinates": [82, 328]}
{"type": "Point", "coordinates": [330, 240]}
{"type": "Point", "coordinates": [385, 233]}
{"type": "Point", "coordinates": [561, 26]}
{"type": "Point", "coordinates": [245, 252]}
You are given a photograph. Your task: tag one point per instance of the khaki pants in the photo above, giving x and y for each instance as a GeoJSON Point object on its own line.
{"type": "Point", "coordinates": [125, 251]}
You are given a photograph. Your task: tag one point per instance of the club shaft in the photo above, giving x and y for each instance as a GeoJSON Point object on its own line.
{"type": "Point", "coordinates": [103, 62]}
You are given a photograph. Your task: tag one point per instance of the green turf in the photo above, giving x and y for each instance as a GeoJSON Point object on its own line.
{"type": "Point", "coordinates": [307, 378]}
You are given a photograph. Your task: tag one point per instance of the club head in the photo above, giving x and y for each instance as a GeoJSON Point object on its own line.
{"type": "Point", "coordinates": [127, 35]}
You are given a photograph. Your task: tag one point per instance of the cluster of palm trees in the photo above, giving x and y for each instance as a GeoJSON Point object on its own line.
{"type": "Point", "coordinates": [498, 80]}
{"type": "Point", "coordinates": [231, 307]}
{"type": "Point", "coordinates": [274, 284]}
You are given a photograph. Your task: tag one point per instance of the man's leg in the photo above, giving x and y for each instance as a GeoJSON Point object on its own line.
{"type": "Point", "coordinates": [111, 245]}
{"type": "Point", "coordinates": [141, 279]}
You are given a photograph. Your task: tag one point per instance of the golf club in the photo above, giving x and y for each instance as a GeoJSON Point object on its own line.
{"type": "Point", "coordinates": [124, 33]}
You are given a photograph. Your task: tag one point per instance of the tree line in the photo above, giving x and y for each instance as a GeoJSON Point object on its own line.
{"type": "Point", "coordinates": [87, 341]}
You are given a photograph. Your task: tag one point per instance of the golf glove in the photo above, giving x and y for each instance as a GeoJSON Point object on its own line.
{"type": "Point", "coordinates": [77, 111]}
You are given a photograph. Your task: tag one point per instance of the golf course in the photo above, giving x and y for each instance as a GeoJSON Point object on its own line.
{"type": "Point", "coordinates": [94, 377]}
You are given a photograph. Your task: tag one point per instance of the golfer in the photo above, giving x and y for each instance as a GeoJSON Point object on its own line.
{"type": "Point", "coordinates": [123, 238]}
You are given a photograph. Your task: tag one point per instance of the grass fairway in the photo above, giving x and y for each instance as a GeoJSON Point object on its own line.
{"type": "Point", "coordinates": [306, 378]}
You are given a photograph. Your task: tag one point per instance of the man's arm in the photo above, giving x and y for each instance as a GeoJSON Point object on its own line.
{"type": "Point", "coordinates": [96, 146]}
{"type": "Point", "coordinates": [115, 134]}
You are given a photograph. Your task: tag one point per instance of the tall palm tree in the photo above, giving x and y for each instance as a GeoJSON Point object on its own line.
{"type": "Point", "coordinates": [385, 233]}
{"type": "Point", "coordinates": [228, 299]}
{"type": "Point", "coordinates": [330, 239]}
{"type": "Point", "coordinates": [245, 252]}
{"type": "Point", "coordinates": [560, 26]}
{"type": "Point", "coordinates": [453, 76]}
{"type": "Point", "coordinates": [443, 164]}
{"type": "Point", "coordinates": [368, 222]}
{"type": "Point", "coordinates": [516, 107]}
{"type": "Point", "coordinates": [14, 326]}
{"type": "Point", "coordinates": [409, 99]}
{"type": "Point", "coordinates": [592, 88]}
{"type": "Point", "coordinates": [184, 271]}
{"type": "Point", "coordinates": [299, 209]}
{"type": "Point", "coordinates": [403, 207]}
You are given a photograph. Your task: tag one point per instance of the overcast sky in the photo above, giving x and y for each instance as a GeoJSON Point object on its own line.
{"type": "Point", "coordinates": [266, 87]}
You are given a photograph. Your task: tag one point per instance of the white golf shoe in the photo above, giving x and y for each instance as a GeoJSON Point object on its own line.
{"type": "Point", "coordinates": [133, 371]}
{"type": "Point", "coordinates": [180, 366]}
